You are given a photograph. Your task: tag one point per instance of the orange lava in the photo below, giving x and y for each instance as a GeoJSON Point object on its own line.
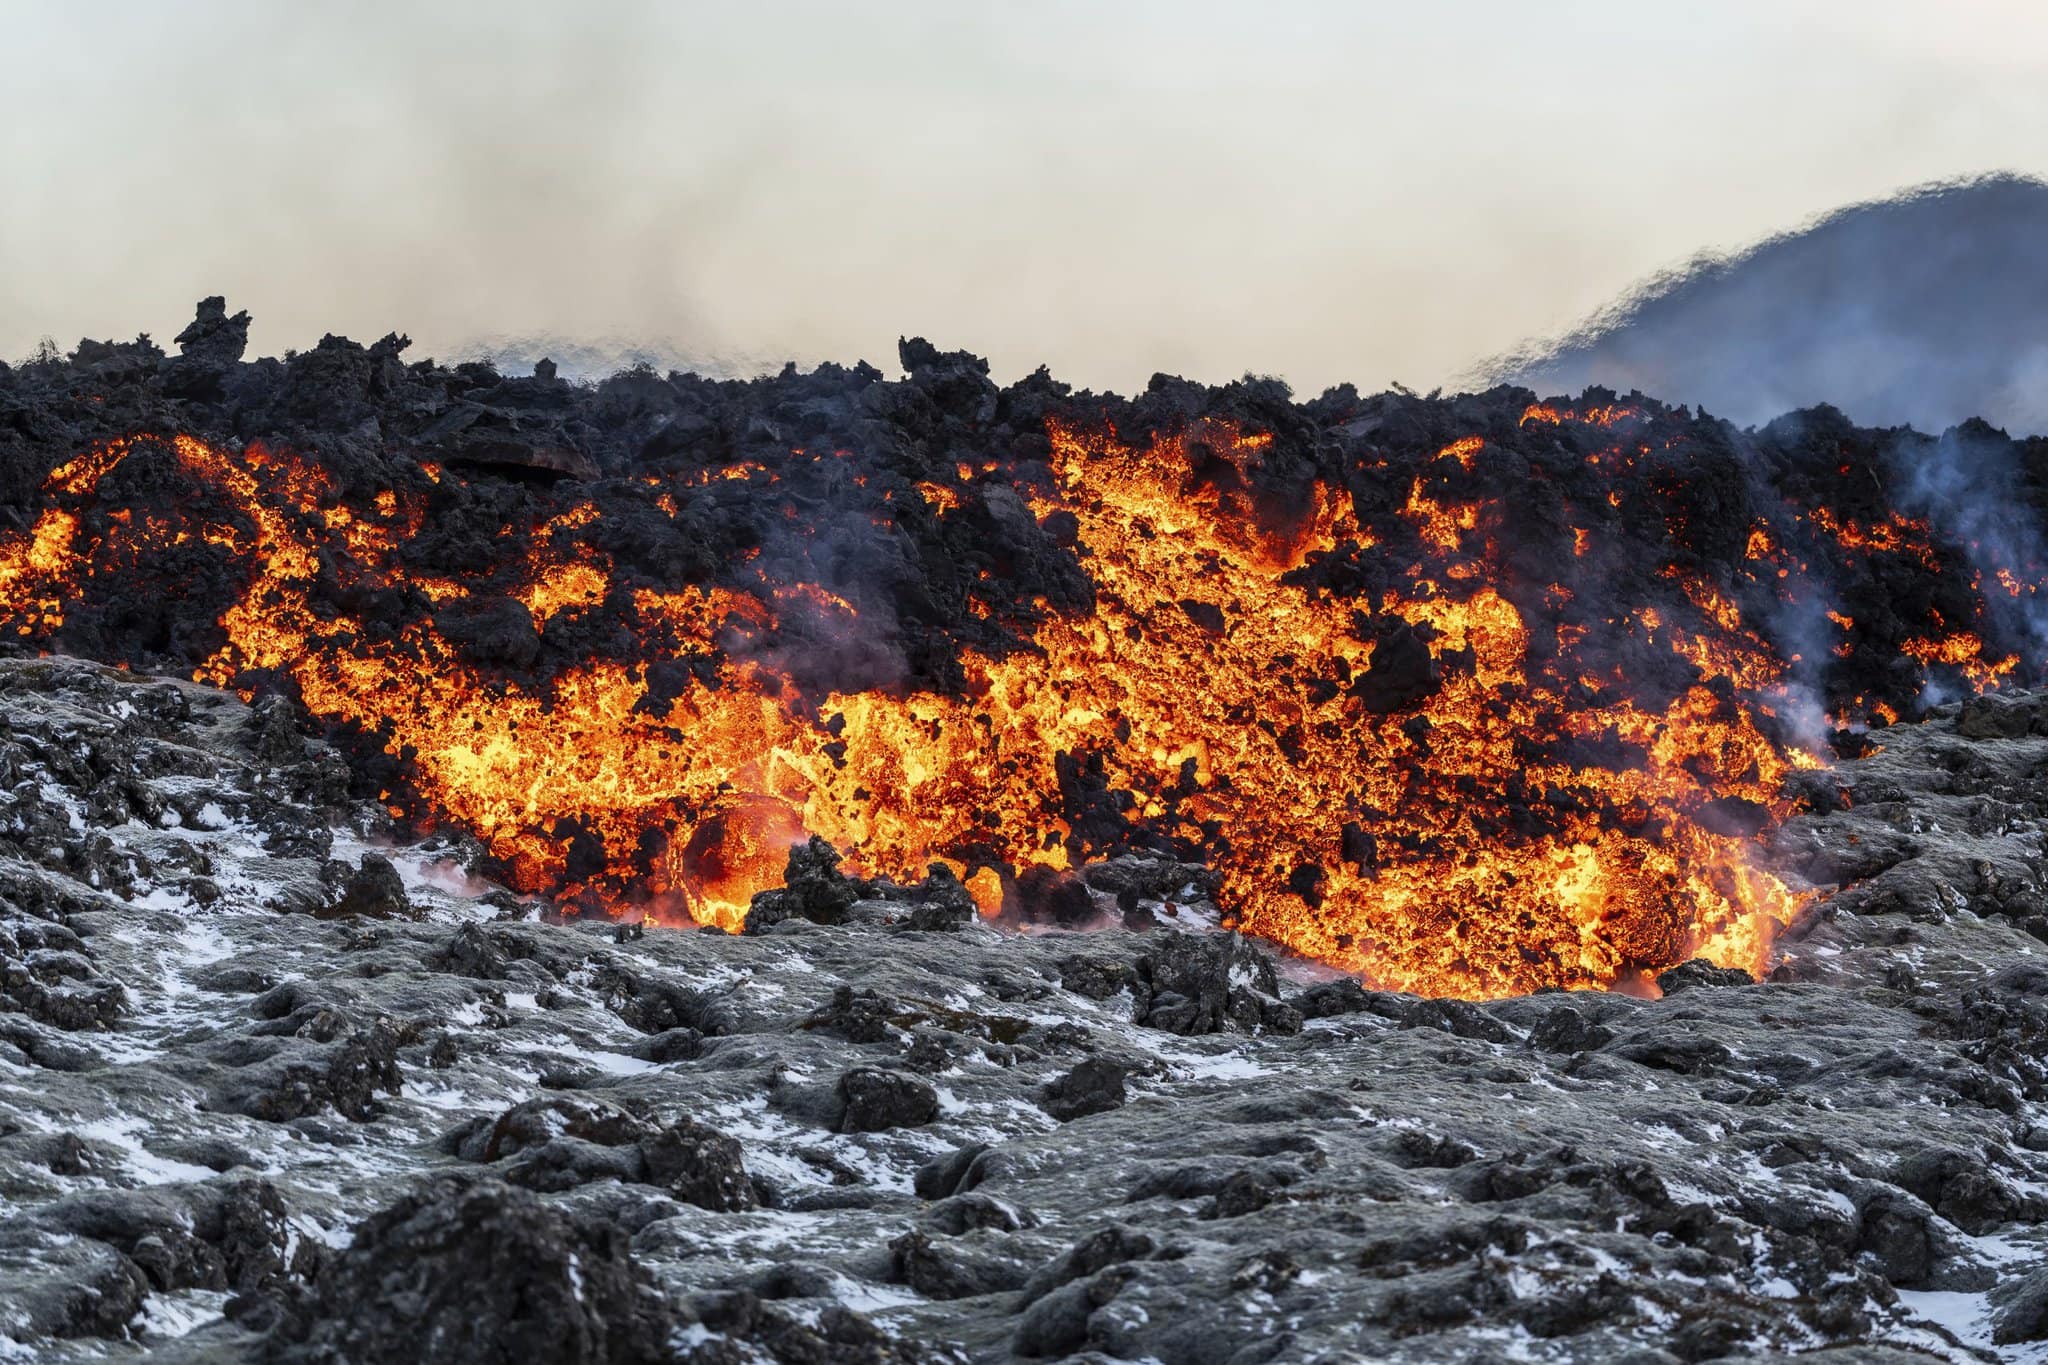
{"type": "Point", "coordinates": [1530, 823]}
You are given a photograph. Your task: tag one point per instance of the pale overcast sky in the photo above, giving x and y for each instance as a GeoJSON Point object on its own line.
{"type": "Point", "coordinates": [1323, 191]}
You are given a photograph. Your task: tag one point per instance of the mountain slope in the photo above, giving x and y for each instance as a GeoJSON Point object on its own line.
{"type": "Point", "coordinates": [1924, 309]}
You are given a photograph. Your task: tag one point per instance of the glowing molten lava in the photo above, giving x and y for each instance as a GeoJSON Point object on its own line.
{"type": "Point", "coordinates": [1442, 781]}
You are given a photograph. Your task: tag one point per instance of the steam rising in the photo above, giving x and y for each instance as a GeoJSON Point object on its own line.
{"type": "Point", "coordinates": [1969, 485]}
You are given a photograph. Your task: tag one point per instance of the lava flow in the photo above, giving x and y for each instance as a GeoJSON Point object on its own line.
{"type": "Point", "coordinates": [1404, 746]}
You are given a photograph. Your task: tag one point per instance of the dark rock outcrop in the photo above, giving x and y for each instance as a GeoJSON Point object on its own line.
{"type": "Point", "coordinates": [462, 1272]}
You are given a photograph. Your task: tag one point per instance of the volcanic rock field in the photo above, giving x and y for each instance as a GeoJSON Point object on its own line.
{"type": "Point", "coordinates": [274, 1087]}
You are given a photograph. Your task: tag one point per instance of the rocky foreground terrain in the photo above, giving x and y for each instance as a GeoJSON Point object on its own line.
{"type": "Point", "coordinates": [274, 1087]}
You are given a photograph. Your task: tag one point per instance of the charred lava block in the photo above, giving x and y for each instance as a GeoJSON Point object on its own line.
{"type": "Point", "coordinates": [476, 1272]}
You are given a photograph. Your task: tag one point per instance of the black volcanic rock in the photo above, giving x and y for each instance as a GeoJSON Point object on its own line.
{"type": "Point", "coordinates": [459, 1272]}
{"type": "Point", "coordinates": [1700, 973]}
{"type": "Point", "coordinates": [813, 888]}
{"type": "Point", "coordinates": [1994, 717]}
{"type": "Point", "coordinates": [209, 349]}
{"type": "Point", "coordinates": [698, 1165]}
{"type": "Point", "coordinates": [373, 891]}
{"type": "Point", "coordinates": [875, 1099]}
{"type": "Point", "coordinates": [537, 1122]}
{"type": "Point", "coordinates": [1195, 984]}
{"type": "Point", "coordinates": [1402, 672]}
{"type": "Point", "coordinates": [2022, 1309]}
{"type": "Point", "coordinates": [1094, 1087]}
{"type": "Point", "coordinates": [956, 382]}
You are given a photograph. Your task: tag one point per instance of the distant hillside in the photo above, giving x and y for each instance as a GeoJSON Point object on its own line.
{"type": "Point", "coordinates": [1924, 309]}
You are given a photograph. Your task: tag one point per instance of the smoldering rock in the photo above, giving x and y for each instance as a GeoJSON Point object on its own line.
{"type": "Point", "coordinates": [812, 889]}
{"type": "Point", "coordinates": [373, 891]}
{"type": "Point", "coordinates": [1700, 973]}
{"type": "Point", "coordinates": [1189, 984]}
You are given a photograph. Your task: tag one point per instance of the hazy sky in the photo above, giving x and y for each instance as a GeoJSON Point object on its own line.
{"type": "Point", "coordinates": [1323, 191]}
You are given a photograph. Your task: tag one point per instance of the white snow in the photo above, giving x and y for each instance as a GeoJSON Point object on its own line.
{"type": "Point", "coordinates": [146, 1166]}
{"type": "Point", "coordinates": [1965, 1315]}
{"type": "Point", "coordinates": [1230, 1066]}
{"type": "Point", "coordinates": [611, 1063]}
{"type": "Point", "coordinates": [175, 1315]}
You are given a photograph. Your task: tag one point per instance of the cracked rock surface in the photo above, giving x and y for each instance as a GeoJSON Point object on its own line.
{"type": "Point", "coordinates": [277, 1087]}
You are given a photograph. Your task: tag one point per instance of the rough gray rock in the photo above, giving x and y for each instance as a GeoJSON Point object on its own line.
{"type": "Point", "coordinates": [479, 1273]}
{"type": "Point", "coordinates": [844, 1141]}
{"type": "Point", "coordinates": [372, 891]}
{"type": "Point", "coordinates": [1700, 973]}
{"type": "Point", "coordinates": [1094, 1087]}
{"type": "Point", "coordinates": [876, 1099]}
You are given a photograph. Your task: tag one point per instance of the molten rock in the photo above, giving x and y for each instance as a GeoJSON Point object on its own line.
{"type": "Point", "coordinates": [1476, 695]}
{"type": "Point", "coordinates": [1847, 1153]}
